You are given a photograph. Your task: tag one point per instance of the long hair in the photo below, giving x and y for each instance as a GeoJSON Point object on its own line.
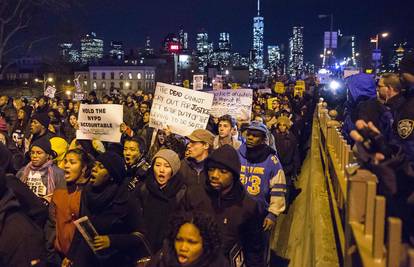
{"type": "Point", "coordinates": [205, 224]}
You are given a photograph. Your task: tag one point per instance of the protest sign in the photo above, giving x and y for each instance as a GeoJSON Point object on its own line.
{"type": "Point", "coordinates": [218, 82]}
{"type": "Point", "coordinates": [298, 91]}
{"type": "Point", "coordinates": [182, 110]}
{"type": "Point", "coordinates": [186, 84]}
{"type": "Point", "coordinates": [237, 103]}
{"type": "Point", "coordinates": [101, 122]}
{"type": "Point", "coordinates": [79, 96]}
{"type": "Point", "coordinates": [348, 73]}
{"type": "Point", "coordinates": [280, 88]}
{"type": "Point", "coordinates": [264, 91]}
{"type": "Point", "coordinates": [235, 86]}
{"type": "Point", "coordinates": [301, 83]}
{"type": "Point", "coordinates": [50, 91]}
{"type": "Point", "coordinates": [198, 82]}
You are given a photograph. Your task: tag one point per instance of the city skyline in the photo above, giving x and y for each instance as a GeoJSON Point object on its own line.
{"type": "Point", "coordinates": [113, 21]}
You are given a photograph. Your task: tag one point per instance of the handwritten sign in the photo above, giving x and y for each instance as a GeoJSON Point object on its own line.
{"type": "Point", "coordinates": [198, 81]}
{"type": "Point", "coordinates": [237, 103]}
{"type": "Point", "coordinates": [264, 91]}
{"type": "Point", "coordinates": [280, 88]}
{"type": "Point", "coordinates": [182, 110]}
{"type": "Point", "coordinates": [218, 82]}
{"type": "Point", "coordinates": [79, 96]}
{"type": "Point", "coordinates": [101, 122]}
{"type": "Point", "coordinates": [50, 92]}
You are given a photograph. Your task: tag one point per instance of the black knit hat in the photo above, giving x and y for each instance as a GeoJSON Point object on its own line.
{"type": "Point", "coordinates": [225, 157]}
{"type": "Point", "coordinates": [114, 164]}
{"type": "Point", "coordinates": [42, 118]}
{"type": "Point", "coordinates": [44, 144]}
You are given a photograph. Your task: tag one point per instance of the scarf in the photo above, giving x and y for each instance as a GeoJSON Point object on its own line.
{"type": "Point", "coordinates": [50, 174]}
{"type": "Point", "coordinates": [258, 153]}
{"type": "Point", "coordinates": [97, 199]}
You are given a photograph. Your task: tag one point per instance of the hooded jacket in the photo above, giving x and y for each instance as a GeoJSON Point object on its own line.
{"type": "Point", "coordinates": [237, 215]}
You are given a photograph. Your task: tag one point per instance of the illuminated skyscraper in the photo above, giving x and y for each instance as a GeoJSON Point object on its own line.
{"type": "Point", "coordinates": [224, 41]}
{"type": "Point", "coordinates": [204, 50]}
{"type": "Point", "coordinates": [258, 31]}
{"type": "Point", "coordinates": [91, 48]}
{"type": "Point", "coordinates": [183, 37]}
{"type": "Point", "coordinates": [295, 68]}
{"type": "Point", "coordinates": [116, 50]}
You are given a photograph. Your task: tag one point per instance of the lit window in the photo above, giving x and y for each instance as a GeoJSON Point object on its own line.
{"type": "Point", "coordinates": [130, 76]}
{"type": "Point", "coordinates": [139, 76]}
{"type": "Point", "coordinates": [121, 75]}
{"type": "Point", "coordinates": [103, 85]}
{"type": "Point", "coordinates": [95, 85]}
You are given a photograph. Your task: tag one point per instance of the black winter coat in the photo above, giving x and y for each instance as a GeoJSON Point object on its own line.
{"type": "Point", "coordinates": [288, 152]}
{"type": "Point", "coordinates": [113, 213]}
{"type": "Point", "coordinates": [157, 205]}
{"type": "Point", "coordinates": [189, 174]}
{"type": "Point", "coordinates": [21, 240]}
{"type": "Point", "coordinates": [237, 216]}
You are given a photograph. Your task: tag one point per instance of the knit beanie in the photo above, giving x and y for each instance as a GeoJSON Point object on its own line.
{"type": "Point", "coordinates": [42, 118]}
{"type": "Point", "coordinates": [114, 164]}
{"type": "Point", "coordinates": [171, 157]}
{"type": "Point", "coordinates": [225, 157]}
{"type": "Point", "coordinates": [44, 144]}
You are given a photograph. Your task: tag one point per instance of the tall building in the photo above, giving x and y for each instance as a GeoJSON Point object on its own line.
{"type": "Point", "coordinates": [295, 68]}
{"type": "Point", "coordinates": [224, 41]}
{"type": "Point", "coordinates": [92, 48]}
{"type": "Point", "coordinates": [148, 49]}
{"type": "Point", "coordinates": [273, 53]}
{"type": "Point", "coordinates": [204, 50]}
{"type": "Point", "coordinates": [116, 50]}
{"type": "Point", "coordinates": [68, 53]}
{"type": "Point", "coordinates": [183, 38]}
{"type": "Point", "coordinates": [171, 44]}
{"type": "Point", "coordinates": [258, 32]}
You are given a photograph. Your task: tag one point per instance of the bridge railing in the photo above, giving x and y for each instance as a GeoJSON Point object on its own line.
{"type": "Point", "coordinates": [358, 213]}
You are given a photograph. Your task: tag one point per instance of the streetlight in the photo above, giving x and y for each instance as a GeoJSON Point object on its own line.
{"type": "Point", "coordinates": [377, 37]}
{"type": "Point", "coordinates": [50, 79]}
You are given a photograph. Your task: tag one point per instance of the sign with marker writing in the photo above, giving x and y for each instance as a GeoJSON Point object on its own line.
{"type": "Point", "coordinates": [237, 103]}
{"type": "Point", "coordinates": [50, 91]}
{"type": "Point", "coordinates": [181, 109]}
{"type": "Point", "coordinates": [198, 82]}
{"type": "Point", "coordinates": [101, 122]}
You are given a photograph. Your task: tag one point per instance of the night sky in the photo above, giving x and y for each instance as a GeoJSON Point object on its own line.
{"type": "Point", "coordinates": [131, 20]}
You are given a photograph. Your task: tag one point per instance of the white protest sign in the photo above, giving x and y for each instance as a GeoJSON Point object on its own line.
{"type": "Point", "coordinates": [264, 91]}
{"type": "Point", "coordinates": [100, 122]}
{"type": "Point", "coordinates": [198, 82]}
{"type": "Point", "coordinates": [50, 92]}
{"type": "Point", "coordinates": [218, 82]}
{"type": "Point", "coordinates": [79, 96]}
{"type": "Point", "coordinates": [237, 103]}
{"type": "Point", "coordinates": [348, 73]}
{"type": "Point", "coordinates": [182, 110]}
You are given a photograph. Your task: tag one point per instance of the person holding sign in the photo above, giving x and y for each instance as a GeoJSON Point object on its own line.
{"type": "Point", "coordinates": [113, 213]}
{"type": "Point", "coordinates": [193, 241]}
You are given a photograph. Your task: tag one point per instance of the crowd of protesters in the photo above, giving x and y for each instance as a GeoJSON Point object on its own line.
{"type": "Point", "coordinates": [195, 200]}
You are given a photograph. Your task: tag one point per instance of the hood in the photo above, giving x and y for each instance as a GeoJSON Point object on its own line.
{"type": "Point", "coordinates": [360, 87]}
{"type": "Point", "coordinates": [7, 202]}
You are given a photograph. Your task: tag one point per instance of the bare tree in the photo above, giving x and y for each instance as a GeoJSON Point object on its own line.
{"type": "Point", "coordinates": [16, 16]}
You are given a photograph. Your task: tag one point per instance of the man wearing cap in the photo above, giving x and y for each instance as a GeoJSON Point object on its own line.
{"type": "Point", "coordinates": [262, 174]}
{"type": "Point", "coordinates": [41, 174]}
{"type": "Point", "coordinates": [224, 198]}
{"type": "Point", "coordinates": [192, 169]}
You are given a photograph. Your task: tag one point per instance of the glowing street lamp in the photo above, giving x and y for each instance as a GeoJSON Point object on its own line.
{"type": "Point", "coordinates": [377, 37]}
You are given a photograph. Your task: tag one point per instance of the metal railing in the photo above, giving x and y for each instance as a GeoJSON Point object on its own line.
{"type": "Point", "coordinates": [358, 213]}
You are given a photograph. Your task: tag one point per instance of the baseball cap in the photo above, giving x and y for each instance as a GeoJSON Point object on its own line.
{"type": "Point", "coordinates": [201, 135]}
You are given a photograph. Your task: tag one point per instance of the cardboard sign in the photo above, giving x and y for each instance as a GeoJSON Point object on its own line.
{"type": "Point", "coordinates": [301, 84]}
{"type": "Point", "coordinates": [50, 92]}
{"type": "Point", "coordinates": [186, 84]}
{"type": "Point", "coordinates": [198, 82]}
{"type": "Point", "coordinates": [218, 82]}
{"type": "Point", "coordinates": [182, 110]}
{"type": "Point", "coordinates": [280, 88]}
{"type": "Point", "coordinates": [100, 122]}
{"type": "Point", "coordinates": [299, 90]}
{"type": "Point", "coordinates": [237, 103]}
{"type": "Point", "coordinates": [264, 91]}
